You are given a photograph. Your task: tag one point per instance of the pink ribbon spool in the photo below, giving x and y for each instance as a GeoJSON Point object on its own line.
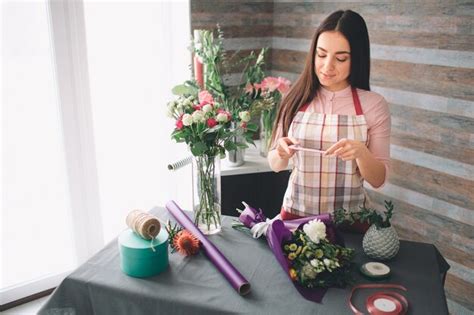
{"type": "Point", "coordinates": [384, 302]}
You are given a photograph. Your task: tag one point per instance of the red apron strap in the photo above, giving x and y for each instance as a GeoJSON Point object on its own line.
{"type": "Point", "coordinates": [304, 107]}
{"type": "Point", "coordinates": [355, 97]}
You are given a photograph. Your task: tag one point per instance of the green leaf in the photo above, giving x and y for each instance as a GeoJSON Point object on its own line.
{"type": "Point", "coordinates": [198, 148]}
{"type": "Point", "coordinates": [241, 145]}
{"type": "Point", "coordinates": [184, 89]}
{"type": "Point", "coordinates": [252, 127]}
{"type": "Point", "coordinates": [214, 129]}
{"type": "Point", "coordinates": [177, 133]}
{"type": "Point", "coordinates": [230, 146]}
{"type": "Point", "coordinates": [222, 152]}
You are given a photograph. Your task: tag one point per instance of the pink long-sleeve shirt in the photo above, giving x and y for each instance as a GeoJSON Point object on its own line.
{"type": "Point", "coordinates": [375, 110]}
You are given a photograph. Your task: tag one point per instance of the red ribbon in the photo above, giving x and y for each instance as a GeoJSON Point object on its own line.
{"type": "Point", "coordinates": [393, 297]}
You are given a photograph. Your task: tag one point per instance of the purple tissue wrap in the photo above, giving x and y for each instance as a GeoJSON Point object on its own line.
{"type": "Point", "coordinates": [280, 231]}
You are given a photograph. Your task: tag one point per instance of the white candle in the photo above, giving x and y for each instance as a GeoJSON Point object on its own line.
{"type": "Point", "coordinates": [197, 38]}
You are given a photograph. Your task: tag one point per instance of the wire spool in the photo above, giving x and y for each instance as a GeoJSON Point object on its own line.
{"type": "Point", "coordinates": [147, 226]}
{"type": "Point", "coordinates": [375, 270]}
{"type": "Point", "coordinates": [179, 164]}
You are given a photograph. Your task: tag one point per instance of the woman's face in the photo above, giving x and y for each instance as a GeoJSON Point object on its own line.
{"type": "Point", "coordinates": [333, 60]}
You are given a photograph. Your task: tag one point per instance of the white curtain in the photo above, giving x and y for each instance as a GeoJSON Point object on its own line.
{"type": "Point", "coordinates": [85, 137]}
{"type": "Point", "coordinates": [137, 52]}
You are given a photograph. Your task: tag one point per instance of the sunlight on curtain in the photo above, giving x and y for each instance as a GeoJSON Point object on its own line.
{"type": "Point", "coordinates": [36, 223]}
{"type": "Point", "coordinates": [137, 52]}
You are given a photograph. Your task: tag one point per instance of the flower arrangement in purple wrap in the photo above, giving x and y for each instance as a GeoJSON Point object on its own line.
{"type": "Point", "coordinates": [308, 249]}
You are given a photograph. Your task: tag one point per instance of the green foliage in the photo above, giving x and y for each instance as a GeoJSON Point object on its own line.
{"type": "Point", "coordinates": [173, 230]}
{"type": "Point", "coordinates": [234, 100]}
{"type": "Point", "coordinates": [208, 133]}
{"type": "Point", "coordinates": [365, 215]}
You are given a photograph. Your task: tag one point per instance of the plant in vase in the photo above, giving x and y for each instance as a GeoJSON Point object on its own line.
{"type": "Point", "coordinates": [268, 95]}
{"type": "Point", "coordinates": [381, 240]}
{"type": "Point", "coordinates": [205, 126]}
{"type": "Point", "coordinates": [234, 99]}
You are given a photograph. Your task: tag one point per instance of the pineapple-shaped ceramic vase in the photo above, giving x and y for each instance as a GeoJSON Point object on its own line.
{"type": "Point", "coordinates": [381, 243]}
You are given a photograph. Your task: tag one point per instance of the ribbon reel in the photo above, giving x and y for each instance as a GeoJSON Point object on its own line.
{"type": "Point", "coordinates": [383, 302]}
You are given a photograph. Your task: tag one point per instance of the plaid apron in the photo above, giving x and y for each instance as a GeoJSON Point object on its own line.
{"type": "Point", "coordinates": [320, 184]}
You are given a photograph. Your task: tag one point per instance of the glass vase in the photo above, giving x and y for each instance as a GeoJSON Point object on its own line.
{"type": "Point", "coordinates": [236, 157]}
{"type": "Point", "coordinates": [207, 193]}
{"type": "Point", "coordinates": [266, 127]}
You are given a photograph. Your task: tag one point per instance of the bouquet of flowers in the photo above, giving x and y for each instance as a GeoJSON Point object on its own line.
{"type": "Point", "coordinates": [309, 250]}
{"type": "Point", "coordinates": [314, 261]}
{"type": "Point", "coordinates": [202, 123]}
{"type": "Point", "coordinates": [205, 126]}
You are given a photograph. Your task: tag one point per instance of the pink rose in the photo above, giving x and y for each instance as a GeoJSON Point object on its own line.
{"type": "Point", "coordinates": [249, 87]}
{"type": "Point", "coordinates": [197, 107]}
{"type": "Point", "coordinates": [205, 97]}
{"type": "Point", "coordinates": [211, 122]}
{"type": "Point", "coordinates": [179, 124]}
{"type": "Point", "coordinates": [284, 85]}
{"type": "Point", "coordinates": [243, 124]}
{"type": "Point", "coordinates": [270, 84]}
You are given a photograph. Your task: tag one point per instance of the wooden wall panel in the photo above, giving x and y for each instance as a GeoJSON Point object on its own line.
{"type": "Point", "coordinates": [423, 63]}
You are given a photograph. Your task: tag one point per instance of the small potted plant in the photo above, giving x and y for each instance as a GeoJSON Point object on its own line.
{"type": "Point", "coordinates": [381, 239]}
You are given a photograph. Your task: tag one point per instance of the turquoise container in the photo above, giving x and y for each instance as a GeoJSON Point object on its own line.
{"type": "Point", "coordinates": [137, 258]}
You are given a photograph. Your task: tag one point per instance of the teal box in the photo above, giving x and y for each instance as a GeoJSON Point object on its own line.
{"type": "Point", "coordinates": [137, 258]}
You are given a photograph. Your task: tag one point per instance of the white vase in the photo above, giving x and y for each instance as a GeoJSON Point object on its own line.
{"type": "Point", "coordinates": [381, 243]}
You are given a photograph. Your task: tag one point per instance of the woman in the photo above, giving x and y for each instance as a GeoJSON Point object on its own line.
{"type": "Point", "coordinates": [331, 108]}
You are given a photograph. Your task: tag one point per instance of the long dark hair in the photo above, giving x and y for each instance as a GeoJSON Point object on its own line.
{"type": "Point", "coordinates": [354, 29]}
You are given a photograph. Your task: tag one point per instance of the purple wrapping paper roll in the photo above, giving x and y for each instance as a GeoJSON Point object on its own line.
{"type": "Point", "coordinates": [215, 256]}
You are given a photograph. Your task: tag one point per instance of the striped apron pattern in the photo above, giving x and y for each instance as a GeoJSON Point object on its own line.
{"type": "Point", "coordinates": [320, 184]}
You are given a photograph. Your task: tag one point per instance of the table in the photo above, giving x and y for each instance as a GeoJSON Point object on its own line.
{"type": "Point", "coordinates": [192, 285]}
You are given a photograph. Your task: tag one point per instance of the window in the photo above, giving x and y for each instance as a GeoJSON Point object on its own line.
{"type": "Point", "coordinates": [36, 212]}
{"type": "Point", "coordinates": [85, 137]}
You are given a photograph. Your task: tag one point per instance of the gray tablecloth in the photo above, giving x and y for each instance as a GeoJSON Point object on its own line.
{"type": "Point", "coordinates": [192, 285]}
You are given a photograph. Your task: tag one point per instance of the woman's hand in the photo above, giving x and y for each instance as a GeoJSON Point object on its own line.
{"type": "Point", "coordinates": [283, 150]}
{"type": "Point", "coordinates": [348, 150]}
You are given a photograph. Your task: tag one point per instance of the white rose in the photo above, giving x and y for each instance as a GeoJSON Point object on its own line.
{"type": "Point", "coordinates": [207, 108]}
{"type": "Point", "coordinates": [221, 117]}
{"type": "Point", "coordinates": [198, 116]}
{"type": "Point", "coordinates": [186, 103]}
{"type": "Point", "coordinates": [187, 119]}
{"type": "Point", "coordinates": [314, 262]}
{"type": "Point", "coordinates": [171, 104]}
{"type": "Point", "coordinates": [309, 271]}
{"type": "Point", "coordinates": [316, 230]}
{"type": "Point", "coordinates": [327, 262]}
{"type": "Point", "coordinates": [244, 116]}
